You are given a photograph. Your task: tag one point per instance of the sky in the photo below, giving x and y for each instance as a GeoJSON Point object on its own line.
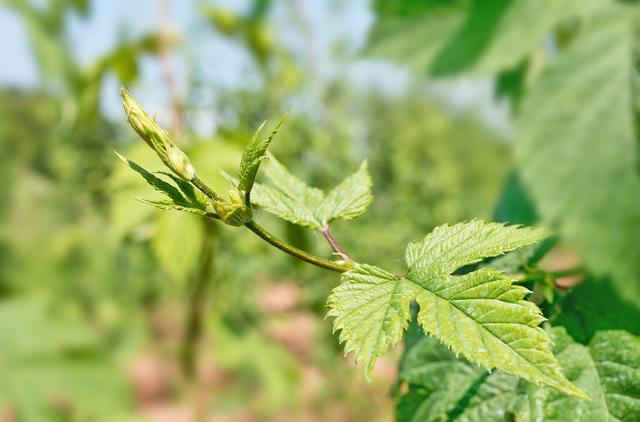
{"type": "Point", "coordinates": [222, 62]}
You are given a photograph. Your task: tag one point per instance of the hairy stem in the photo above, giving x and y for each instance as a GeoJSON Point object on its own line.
{"type": "Point", "coordinates": [326, 232]}
{"type": "Point", "coordinates": [292, 250]}
{"type": "Point", "coordinates": [205, 189]}
{"type": "Point", "coordinates": [275, 241]}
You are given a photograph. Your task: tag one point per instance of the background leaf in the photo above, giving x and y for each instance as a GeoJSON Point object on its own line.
{"type": "Point", "coordinates": [607, 370]}
{"type": "Point", "coordinates": [578, 151]}
{"type": "Point", "coordinates": [444, 387]}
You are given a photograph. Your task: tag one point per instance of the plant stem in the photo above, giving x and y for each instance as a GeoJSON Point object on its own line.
{"type": "Point", "coordinates": [275, 241]}
{"type": "Point", "coordinates": [326, 232]}
{"type": "Point", "coordinates": [298, 253]}
{"type": "Point", "coordinates": [540, 275]}
{"type": "Point", "coordinates": [205, 189]}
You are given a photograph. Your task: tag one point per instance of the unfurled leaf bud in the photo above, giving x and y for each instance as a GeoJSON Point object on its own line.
{"type": "Point", "coordinates": [157, 138]}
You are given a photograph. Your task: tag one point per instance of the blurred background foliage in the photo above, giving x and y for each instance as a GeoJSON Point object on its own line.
{"type": "Point", "coordinates": [112, 310]}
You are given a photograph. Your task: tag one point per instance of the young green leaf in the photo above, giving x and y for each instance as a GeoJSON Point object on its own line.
{"type": "Point", "coordinates": [480, 315]}
{"type": "Point", "coordinates": [484, 317]}
{"type": "Point", "coordinates": [186, 198]}
{"type": "Point", "coordinates": [171, 206]}
{"type": "Point", "coordinates": [371, 308]}
{"type": "Point", "coordinates": [253, 155]}
{"type": "Point", "coordinates": [450, 247]}
{"type": "Point", "coordinates": [157, 183]}
{"type": "Point", "coordinates": [349, 199]}
{"type": "Point", "coordinates": [187, 189]}
{"type": "Point", "coordinates": [291, 199]}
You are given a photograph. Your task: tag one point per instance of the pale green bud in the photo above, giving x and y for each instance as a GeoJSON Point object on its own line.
{"type": "Point", "coordinates": [157, 138]}
{"type": "Point", "coordinates": [233, 214]}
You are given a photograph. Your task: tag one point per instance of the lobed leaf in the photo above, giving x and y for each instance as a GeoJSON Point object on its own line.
{"type": "Point", "coordinates": [484, 317]}
{"type": "Point", "coordinates": [371, 308]}
{"type": "Point", "coordinates": [349, 199]}
{"type": "Point", "coordinates": [608, 369]}
{"type": "Point", "coordinates": [480, 315]}
{"type": "Point", "coordinates": [293, 200]}
{"type": "Point", "coordinates": [450, 247]}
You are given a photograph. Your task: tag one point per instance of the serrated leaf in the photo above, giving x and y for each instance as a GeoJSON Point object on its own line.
{"type": "Point", "coordinates": [494, 37]}
{"type": "Point", "coordinates": [292, 200]}
{"type": "Point", "coordinates": [183, 198]}
{"type": "Point", "coordinates": [371, 308]}
{"type": "Point", "coordinates": [450, 247]}
{"type": "Point", "coordinates": [349, 199]}
{"type": "Point", "coordinates": [484, 317]}
{"type": "Point", "coordinates": [157, 183]}
{"type": "Point", "coordinates": [285, 207]}
{"type": "Point", "coordinates": [608, 369]}
{"type": "Point", "coordinates": [443, 387]}
{"type": "Point", "coordinates": [578, 150]}
{"type": "Point", "coordinates": [253, 155]}
{"type": "Point", "coordinates": [192, 195]}
{"type": "Point", "coordinates": [170, 206]}
{"type": "Point", "coordinates": [480, 315]}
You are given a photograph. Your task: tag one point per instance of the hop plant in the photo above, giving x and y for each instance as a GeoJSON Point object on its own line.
{"type": "Point", "coordinates": [481, 315]}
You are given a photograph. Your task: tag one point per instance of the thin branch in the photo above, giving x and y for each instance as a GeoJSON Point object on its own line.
{"type": "Point", "coordinates": [205, 189]}
{"type": "Point", "coordinates": [326, 232]}
{"type": "Point", "coordinates": [298, 253]}
{"type": "Point", "coordinates": [275, 241]}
